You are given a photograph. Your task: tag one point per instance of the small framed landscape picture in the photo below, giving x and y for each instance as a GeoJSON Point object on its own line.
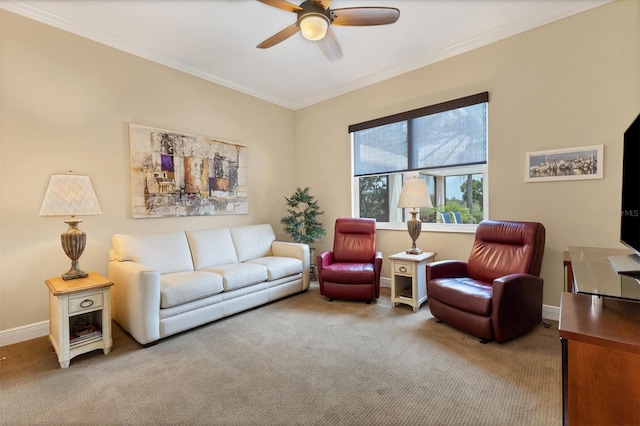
{"type": "Point", "coordinates": [584, 162]}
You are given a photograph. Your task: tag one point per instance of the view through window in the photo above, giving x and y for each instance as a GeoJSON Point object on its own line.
{"type": "Point", "coordinates": [445, 144]}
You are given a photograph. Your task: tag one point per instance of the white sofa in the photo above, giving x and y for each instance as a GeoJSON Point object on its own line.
{"type": "Point", "coordinates": [166, 283]}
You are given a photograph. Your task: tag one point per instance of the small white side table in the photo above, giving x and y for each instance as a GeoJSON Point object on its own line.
{"type": "Point", "coordinates": [408, 278]}
{"type": "Point", "coordinates": [72, 303]}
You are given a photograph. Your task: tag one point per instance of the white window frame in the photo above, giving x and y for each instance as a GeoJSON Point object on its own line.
{"type": "Point", "coordinates": [433, 227]}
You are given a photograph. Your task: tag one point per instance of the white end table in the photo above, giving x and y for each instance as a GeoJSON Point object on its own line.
{"type": "Point", "coordinates": [408, 278]}
{"type": "Point", "coordinates": [79, 316]}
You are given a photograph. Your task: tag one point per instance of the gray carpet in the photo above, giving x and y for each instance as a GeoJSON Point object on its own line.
{"type": "Point", "coordinates": [298, 361]}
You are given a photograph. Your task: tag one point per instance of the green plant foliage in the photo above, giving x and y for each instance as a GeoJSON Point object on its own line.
{"type": "Point", "coordinates": [374, 194]}
{"type": "Point", "coordinates": [302, 222]}
{"type": "Point", "coordinates": [455, 206]}
{"type": "Point", "coordinates": [475, 202]}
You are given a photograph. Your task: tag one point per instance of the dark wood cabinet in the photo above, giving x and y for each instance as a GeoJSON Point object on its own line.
{"type": "Point", "coordinates": [600, 358]}
{"type": "Point", "coordinates": [600, 361]}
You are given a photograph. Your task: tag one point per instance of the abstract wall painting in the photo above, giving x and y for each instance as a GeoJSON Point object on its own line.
{"type": "Point", "coordinates": [175, 174]}
{"type": "Point", "coordinates": [584, 162]}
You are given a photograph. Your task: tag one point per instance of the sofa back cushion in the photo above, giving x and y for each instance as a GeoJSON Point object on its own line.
{"type": "Point", "coordinates": [165, 252]}
{"type": "Point", "coordinates": [211, 247]}
{"type": "Point", "coordinates": [252, 241]}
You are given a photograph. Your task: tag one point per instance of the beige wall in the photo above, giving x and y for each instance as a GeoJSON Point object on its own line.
{"type": "Point", "coordinates": [66, 103]}
{"type": "Point", "coordinates": [571, 83]}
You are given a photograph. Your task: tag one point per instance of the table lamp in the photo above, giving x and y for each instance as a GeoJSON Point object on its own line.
{"type": "Point", "coordinates": [71, 195]}
{"type": "Point", "coordinates": [414, 195]}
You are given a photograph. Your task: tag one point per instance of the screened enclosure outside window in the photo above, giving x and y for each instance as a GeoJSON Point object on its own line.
{"type": "Point", "coordinates": [445, 144]}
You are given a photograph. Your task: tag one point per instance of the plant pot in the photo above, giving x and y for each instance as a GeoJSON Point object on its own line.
{"type": "Point", "coordinates": [312, 263]}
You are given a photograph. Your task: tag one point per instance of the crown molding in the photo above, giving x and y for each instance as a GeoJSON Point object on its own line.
{"type": "Point", "coordinates": [73, 27]}
{"type": "Point", "coordinates": [561, 11]}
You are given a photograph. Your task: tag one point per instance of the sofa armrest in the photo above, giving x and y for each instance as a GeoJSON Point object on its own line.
{"type": "Point", "coordinates": [516, 305]}
{"type": "Point", "coordinates": [298, 251]}
{"type": "Point", "coordinates": [446, 269]}
{"type": "Point", "coordinates": [136, 299]}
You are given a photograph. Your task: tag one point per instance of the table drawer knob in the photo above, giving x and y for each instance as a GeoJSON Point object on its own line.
{"type": "Point", "coordinates": [402, 269]}
{"type": "Point", "coordinates": [86, 302]}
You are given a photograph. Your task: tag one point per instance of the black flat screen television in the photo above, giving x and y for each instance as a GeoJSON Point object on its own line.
{"type": "Point", "coordinates": [630, 208]}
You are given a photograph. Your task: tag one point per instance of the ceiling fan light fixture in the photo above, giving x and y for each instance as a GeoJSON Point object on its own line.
{"type": "Point", "coordinates": [313, 26]}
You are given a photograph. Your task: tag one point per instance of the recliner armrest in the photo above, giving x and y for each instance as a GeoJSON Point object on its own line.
{"type": "Point", "coordinates": [446, 269]}
{"type": "Point", "coordinates": [517, 289]}
{"type": "Point", "coordinates": [515, 283]}
{"type": "Point", "coordinates": [325, 258]}
{"type": "Point", "coordinates": [516, 304]}
{"type": "Point", "coordinates": [377, 266]}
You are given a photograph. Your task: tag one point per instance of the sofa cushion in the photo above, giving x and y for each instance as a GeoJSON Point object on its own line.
{"type": "Point", "coordinates": [183, 287]}
{"type": "Point", "coordinates": [279, 267]}
{"type": "Point", "coordinates": [252, 242]}
{"type": "Point", "coordinates": [211, 247]}
{"type": "Point", "coordinates": [237, 275]}
{"type": "Point", "coordinates": [165, 252]}
{"type": "Point", "coordinates": [463, 293]}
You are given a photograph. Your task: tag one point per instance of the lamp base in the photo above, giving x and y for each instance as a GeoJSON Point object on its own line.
{"type": "Point", "coordinates": [73, 274]}
{"type": "Point", "coordinates": [414, 251]}
{"type": "Point", "coordinates": [73, 243]}
{"type": "Point", "coordinates": [414, 226]}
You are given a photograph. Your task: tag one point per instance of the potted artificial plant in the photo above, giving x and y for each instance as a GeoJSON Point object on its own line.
{"type": "Point", "coordinates": [302, 221]}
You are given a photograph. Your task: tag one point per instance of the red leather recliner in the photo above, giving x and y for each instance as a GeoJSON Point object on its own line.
{"type": "Point", "coordinates": [352, 269]}
{"type": "Point", "coordinates": [497, 293]}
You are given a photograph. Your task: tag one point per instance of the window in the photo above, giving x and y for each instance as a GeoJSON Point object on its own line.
{"type": "Point", "coordinates": [445, 144]}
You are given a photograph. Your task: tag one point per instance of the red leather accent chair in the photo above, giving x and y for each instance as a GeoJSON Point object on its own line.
{"type": "Point", "coordinates": [352, 270]}
{"type": "Point", "coordinates": [497, 293]}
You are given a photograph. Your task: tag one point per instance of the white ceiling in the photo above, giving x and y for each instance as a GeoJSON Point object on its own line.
{"type": "Point", "coordinates": [216, 39]}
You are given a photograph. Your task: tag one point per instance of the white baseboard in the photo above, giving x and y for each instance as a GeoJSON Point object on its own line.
{"type": "Point", "coordinates": [39, 329]}
{"type": "Point", "coordinates": [24, 333]}
{"type": "Point", "coordinates": [549, 312]}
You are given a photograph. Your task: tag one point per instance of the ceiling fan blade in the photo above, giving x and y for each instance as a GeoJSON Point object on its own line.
{"type": "Point", "coordinates": [362, 16]}
{"type": "Point", "coordinates": [330, 46]}
{"type": "Point", "coordinates": [282, 4]}
{"type": "Point", "coordinates": [278, 37]}
{"type": "Point", "coordinates": [324, 3]}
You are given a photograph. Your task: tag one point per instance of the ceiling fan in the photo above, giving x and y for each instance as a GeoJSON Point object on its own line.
{"type": "Point", "coordinates": [315, 18]}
